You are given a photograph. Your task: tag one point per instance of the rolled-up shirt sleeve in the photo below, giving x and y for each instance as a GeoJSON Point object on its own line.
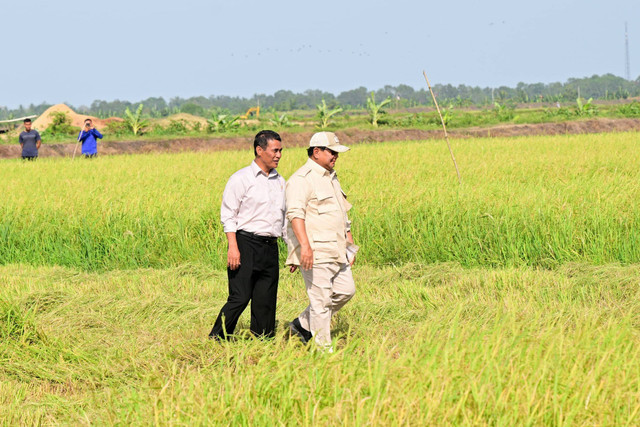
{"type": "Point", "coordinates": [296, 198]}
{"type": "Point", "coordinates": [231, 201]}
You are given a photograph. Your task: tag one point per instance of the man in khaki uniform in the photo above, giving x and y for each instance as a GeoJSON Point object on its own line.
{"type": "Point", "coordinates": [319, 238]}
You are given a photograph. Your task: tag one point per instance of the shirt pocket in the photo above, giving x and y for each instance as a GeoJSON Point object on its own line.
{"type": "Point", "coordinates": [326, 203]}
{"type": "Point", "coordinates": [325, 245]}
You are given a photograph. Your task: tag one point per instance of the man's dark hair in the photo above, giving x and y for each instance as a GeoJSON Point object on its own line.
{"type": "Point", "coordinates": [310, 150]}
{"type": "Point", "coordinates": [262, 139]}
{"type": "Point", "coordinates": [26, 121]}
{"type": "Point", "coordinates": [88, 120]}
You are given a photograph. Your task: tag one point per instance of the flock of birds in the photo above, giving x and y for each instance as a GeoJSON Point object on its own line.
{"type": "Point", "coordinates": [305, 48]}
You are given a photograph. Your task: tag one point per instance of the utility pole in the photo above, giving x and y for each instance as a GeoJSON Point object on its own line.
{"type": "Point", "coordinates": [626, 49]}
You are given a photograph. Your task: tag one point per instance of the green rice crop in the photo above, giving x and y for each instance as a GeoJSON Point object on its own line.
{"type": "Point", "coordinates": [528, 201]}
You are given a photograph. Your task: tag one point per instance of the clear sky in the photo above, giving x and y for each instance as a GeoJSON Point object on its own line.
{"type": "Point", "coordinates": [79, 51]}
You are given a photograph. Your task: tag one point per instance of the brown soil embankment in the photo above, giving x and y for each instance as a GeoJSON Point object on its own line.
{"type": "Point", "coordinates": [349, 136]}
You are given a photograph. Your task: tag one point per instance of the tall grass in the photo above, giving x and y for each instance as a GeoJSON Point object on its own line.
{"type": "Point", "coordinates": [512, 299]}
{"type": "Point", "coordinates": [418, 345]}
{"type": "Point", "coordinates": [536, 201]}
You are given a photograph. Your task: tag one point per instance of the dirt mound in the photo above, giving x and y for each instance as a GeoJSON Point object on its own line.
{"type": "Point", "coordinates": [77, 120]}
{"type": "Point", "coordinates": [189, 118]}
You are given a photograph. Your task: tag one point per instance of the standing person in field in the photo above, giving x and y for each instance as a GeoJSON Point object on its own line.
{"type": "Point", "coordinates": [319, 238]}
{"type": "Point", "coordinates": [30, 141]}
{"type": "Point", "coordinates": [252, 215]}
{"type": "Point", "coordinates": [88, 136]}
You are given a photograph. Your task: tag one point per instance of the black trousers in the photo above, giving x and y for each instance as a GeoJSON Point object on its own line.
{"type": "Point", "coordinates": [256, 280]}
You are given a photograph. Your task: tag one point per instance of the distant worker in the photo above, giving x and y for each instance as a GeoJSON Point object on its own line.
{"type": "Point", "coordinates": [88, 136]}
{"type": "Point", "coordinates": [319, 239]}
{"type": "Point", "coordinates": [30, 141]}
{"type": "Point", "coordinates": [252, 214]}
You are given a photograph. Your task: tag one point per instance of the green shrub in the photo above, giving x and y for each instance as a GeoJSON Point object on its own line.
{"type": "Point", "coordinates": [562, 112]}
{"type": "Point", "coordinates": [60, 124]}
{"type": "Point", "coordinates": [280, 120]}
{"type": "Point", "coordinates": [630, 110]}
{"type": "Point", "coordinates": [116, 128]}
{"type": "Point", "coordinates": [503, 112]}
{"type": "Point", "coordinates": [223, 122]}
{"type": "Point", "coordinates": [179, 127]}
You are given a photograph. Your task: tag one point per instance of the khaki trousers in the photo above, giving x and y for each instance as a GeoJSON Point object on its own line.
{"type": "Point", "coordinates": [329, 287]}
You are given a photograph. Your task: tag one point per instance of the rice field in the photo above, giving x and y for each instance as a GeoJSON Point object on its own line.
{"type": "Point", "coordinates": [533, 201]}
{"type": "Point", "coordinates": [512, 299]}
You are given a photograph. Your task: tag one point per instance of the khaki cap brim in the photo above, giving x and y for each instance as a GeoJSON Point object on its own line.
{"type": "Point", "coordinates": [328, 140]}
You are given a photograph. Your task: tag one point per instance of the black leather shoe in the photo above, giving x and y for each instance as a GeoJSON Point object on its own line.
{"type": "Point", "coordinates": [295, 328]}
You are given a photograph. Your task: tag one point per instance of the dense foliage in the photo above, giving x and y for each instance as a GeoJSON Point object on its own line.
{"type": "Point", "coordinates": [597, 87]}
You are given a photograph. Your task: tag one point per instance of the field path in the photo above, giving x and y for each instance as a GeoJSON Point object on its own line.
{"type": "Point", "coordinates": [347, 136]}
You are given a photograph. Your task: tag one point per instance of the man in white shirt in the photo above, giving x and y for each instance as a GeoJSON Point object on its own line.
{"type": "Point", "coordinates": [252, 214]}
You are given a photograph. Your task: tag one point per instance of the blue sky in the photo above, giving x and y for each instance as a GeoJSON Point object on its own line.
{"type": "Point", "coordinates": [79, 51]}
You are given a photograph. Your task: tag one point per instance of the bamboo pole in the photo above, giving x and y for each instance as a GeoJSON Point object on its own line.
{"type": "Point", "coordinates": [76, 148]}
{"type": "Point", "coordinates": [444, 127]}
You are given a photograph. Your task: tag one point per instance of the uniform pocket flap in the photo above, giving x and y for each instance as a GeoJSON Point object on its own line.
{"type": "Point", "coordinates": [327, 206]}
{"type": "Point", "coordinates": [323, 194]}
{"type": "Point", "coordinates": [325, 236]}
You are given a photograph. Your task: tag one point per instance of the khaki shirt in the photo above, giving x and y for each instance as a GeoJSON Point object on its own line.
{"type": "Point", "coordinates": [314, 195]}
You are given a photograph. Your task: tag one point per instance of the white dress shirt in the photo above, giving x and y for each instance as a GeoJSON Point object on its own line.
{"type": "Point", "coordinates": [254, 201]}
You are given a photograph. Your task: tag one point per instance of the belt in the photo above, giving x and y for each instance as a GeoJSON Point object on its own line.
{"type": "Point", "coordinates": [257, 238]}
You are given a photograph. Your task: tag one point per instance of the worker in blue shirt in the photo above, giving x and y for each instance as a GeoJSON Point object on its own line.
{"type": "Point", "coordinates": [88, 136]}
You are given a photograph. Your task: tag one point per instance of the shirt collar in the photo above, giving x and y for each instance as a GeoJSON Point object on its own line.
{"type": "Point", "coordinates": [255, 170]}
{"type": "Point", "coordinates": [319, 169]}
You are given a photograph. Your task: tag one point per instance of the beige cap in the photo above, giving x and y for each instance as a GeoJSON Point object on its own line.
{"type": "Point", "coordinates": [329, 140]}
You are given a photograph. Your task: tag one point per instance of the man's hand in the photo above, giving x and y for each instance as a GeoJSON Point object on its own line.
{"type": "Point", "coordinates": [293, 268]}
{"type": "Point", "coordinates": [306, 253]}
{"type": "Point", "coordinates": [350, 240]}
{"type": "Point", "coordinates": [306, 258]}
{"type": "Point", "coordinates": [233, 257]}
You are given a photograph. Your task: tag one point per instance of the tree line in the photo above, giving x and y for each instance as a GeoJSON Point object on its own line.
{"type": "Point", "coordinates": [607, 86]}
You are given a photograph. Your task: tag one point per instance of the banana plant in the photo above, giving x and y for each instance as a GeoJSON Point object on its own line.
{"type": "Point", "coordinates": [324, 114]}
{"type": "Point", "coordinates": [447, 115]}
{"type": "Point", "coordinates": [375, 110]}
{"type": "Point", "coordinates": [134, 121]}
{"type": "Point", "coordinates": [281, 120]}
{"type": "Point", "coordinates": [503, 112]}
{"type": "Point", "coordinates": [585, 109]}
{"type": "Point", "coordinates": [223, 122]}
